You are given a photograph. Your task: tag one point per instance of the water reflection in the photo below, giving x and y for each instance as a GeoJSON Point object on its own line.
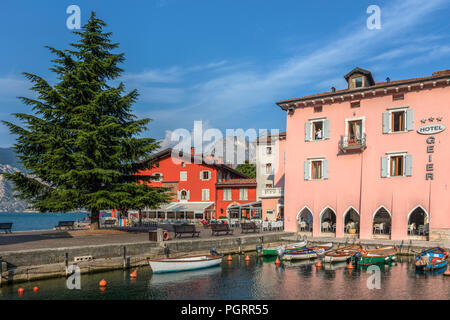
{"type": "Point", "coordinates": [259, 278]}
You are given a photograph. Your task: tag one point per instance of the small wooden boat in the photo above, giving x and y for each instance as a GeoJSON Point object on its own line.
{"type": "Point", "coordinates": [342, 254]}
{"type": "Point", "coordinates": [274, 251]}
{"type": "Point", "coordinates": [380, 255]}
{"type": "Point", "coordinates": [307, 253]}
{"type": "Point", "coordinates": [184, 263]}
{"type": "Point", "coordinates": [432, 259]}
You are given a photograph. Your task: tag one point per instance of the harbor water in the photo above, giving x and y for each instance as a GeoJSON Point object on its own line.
{"type": "Point", "coordinates": [259, 278]}
{"type": "Point", "coordinates": [27, 221]}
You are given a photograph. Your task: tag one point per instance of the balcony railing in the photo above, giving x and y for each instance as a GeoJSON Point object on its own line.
{"type": "Point", "coordinates": [272, 192]}
{"type": "Point", "coordinates": [348, 143]}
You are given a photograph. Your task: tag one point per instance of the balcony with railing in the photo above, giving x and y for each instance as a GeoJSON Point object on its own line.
{"type": "Point", "coordinates": [352, 143]}
{"type": "Point", "coordinates": [272, 192]}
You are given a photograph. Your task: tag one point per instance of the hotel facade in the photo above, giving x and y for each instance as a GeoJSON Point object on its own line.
{"type": "Point", "coordinates": [370, 161]}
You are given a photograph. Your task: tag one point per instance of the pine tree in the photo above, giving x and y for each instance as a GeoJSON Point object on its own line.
{"type": "Point", "coordinates": [81, 145]}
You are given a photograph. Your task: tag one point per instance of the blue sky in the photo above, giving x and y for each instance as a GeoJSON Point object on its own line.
{"type": "Point", "coordinates": [227, 62]}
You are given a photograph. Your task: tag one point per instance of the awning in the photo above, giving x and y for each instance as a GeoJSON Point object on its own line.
{"type": "Point", "coordinates": [196, 207]}
{"type": "Point", "coordinates": [247, 205]}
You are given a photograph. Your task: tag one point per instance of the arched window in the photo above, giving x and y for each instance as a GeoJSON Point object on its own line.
{"type": "Point", "coordinates": [305, 220]}
{"type": "Point", "coordinates": [418, 222]}
{"type": "Point", "coordinates": [382, 222]}
{"type": "Point", "coordinates": [351, 221]}
{"type": "Point", "coordinates": [328, 220]}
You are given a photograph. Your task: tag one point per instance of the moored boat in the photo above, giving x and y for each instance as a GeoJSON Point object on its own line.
{"type": "Point", "coordinates": [342, 254]}
{"type": "Point", "coordinates": [432, 259]}
{"type": "Point", "coordinates": [184, 263]}
{"type": "Point", "coordinates": [377, 256]}
{"type": "Point", "coordinates": [274, 251]}
{"type": "Point", "coordinates": [307, 253]}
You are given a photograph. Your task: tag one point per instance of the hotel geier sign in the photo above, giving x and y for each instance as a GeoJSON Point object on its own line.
{"type": "Point", "coordinates": [429, 129]}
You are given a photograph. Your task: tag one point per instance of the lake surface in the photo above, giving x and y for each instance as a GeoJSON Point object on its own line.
{"type": "Point", "coordinates": [257, 279]}
{"type": "Point", "coordinates": [25, 221]}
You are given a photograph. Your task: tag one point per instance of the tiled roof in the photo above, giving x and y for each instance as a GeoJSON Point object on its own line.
{"type": "Point", "coordinates": [237, 182]}
{"type": "Point", "coordinates": [378, 85]}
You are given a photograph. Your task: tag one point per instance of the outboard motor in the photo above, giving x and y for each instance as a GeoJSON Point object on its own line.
{"type": "Point", "coordinates": [258, 249]}
{"type": "Point", "coordinates": [214, 252]}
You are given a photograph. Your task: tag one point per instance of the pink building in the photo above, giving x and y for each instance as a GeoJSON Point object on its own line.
{"type": "Point", "coordinates": [370, 161]}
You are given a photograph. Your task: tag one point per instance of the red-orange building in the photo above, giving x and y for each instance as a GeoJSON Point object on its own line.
{"type": "Point", "coordinates": [199, 187]}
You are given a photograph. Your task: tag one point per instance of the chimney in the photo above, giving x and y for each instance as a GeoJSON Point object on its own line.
{"type": "Point", "coordinates": [388, 79]}
{"type": "Point", "coordinates": [192, 151]}
{"type": "Point", "coordinates": [333, 89]}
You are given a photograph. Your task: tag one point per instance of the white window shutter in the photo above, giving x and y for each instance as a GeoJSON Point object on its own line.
{"type": "Point", "coordinates": [307, 166]}
{"type": "Point", "coordinates": [308, 131]}
{"type": "Point", "coordinates": [326, 129]}
{"type": "Point", "coordinates": [408, 165]}
{"type": "Point", "coordinates": [188, 196]}
{"type": "Point", "coordinates": [384, 167]}
{"type": "Point", "coordinates": [409, 119]}
{"type": "Point", "coordinates": [325, 169]}
{"type": "Point", "coordinates": [386, 122]}
{"type": "Point", "coordinates": [179, 195]}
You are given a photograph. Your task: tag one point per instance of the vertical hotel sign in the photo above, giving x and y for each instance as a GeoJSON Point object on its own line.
{"type": "Point", "coordinates": [430, 129]}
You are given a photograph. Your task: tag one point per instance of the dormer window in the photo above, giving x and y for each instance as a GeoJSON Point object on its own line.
{"type": "Point", "coordinates": [359, 78]}
{"type": "Point", "coordinates": [357, 82]}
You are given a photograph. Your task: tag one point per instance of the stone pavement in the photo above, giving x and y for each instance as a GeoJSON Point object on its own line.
{"type": "Point", "coordinates": [32, 240]}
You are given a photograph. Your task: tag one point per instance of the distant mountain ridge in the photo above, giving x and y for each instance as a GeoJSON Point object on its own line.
{"type": "Point", "coordinates": [9, 163]}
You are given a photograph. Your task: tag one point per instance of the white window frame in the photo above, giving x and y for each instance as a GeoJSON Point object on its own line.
{"type": "Point", "coordinates": [398, 109]}
{"type": "Point", "coordinates": [396, 154]}
{"type": "Point", "coordinates": [160, 177]}
{"type": "Point", "coordinates": [363, 120]}
{"type": "Point", "coordinates": [205, 191]}
{"type": "Point", "coordinates": [313, 136]}
{"type": "Point", "coordinates": [183, 176]}
{"type": "Point", "coordinates": [322, 176]}
{"type": "Point", "coordinates": [243, 194]}
{"type": "Point", "coordinates": [209, 175]}
{"type": "Point", "coordinates": [271, 169]}
{"type": "Point", "coordinates": [321, 168]}
{"type": "Point", "coordinates": [227, 192]}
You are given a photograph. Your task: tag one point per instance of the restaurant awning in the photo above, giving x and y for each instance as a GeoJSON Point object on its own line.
{"type": "Point", "coordinates": [196, 207]}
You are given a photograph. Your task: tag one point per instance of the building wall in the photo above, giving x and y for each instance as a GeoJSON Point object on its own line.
{"type": "Point", "coordinates": [171, 172]}
{"type": "Point", "coordinates": [222, 205]}
{"type": "Point", "coordinates": [354, 179]}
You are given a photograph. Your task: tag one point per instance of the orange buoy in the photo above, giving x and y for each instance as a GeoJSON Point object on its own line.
{"type": "Point", "coordinates": [277, 261]}
{"type": "Point", "coordinates": [166, 235]}
{"type": "Point", "coordinates": [36, 289]}
{"type": "Point", "coordinates": [247, 258]}
{"type": "Point", "coordinates": [102, 283]}
{"type": "Point", "coordinates": [133, 274]}
{"type": "Point", "coordinates": [318, 264]}
{"type": "Point", "coordinates": [447, 272]}
{"type": "Point", "coordinates": [20, 290]}
{"type": "Point", "coordinates": [350, 265]}
{"type": "Point", "coordinates": [229, 257]}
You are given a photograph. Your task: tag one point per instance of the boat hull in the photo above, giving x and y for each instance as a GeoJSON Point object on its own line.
{"type": "Point", "coordinates": [183, 264]}
{"type": "Point", "coordinates": [307, 253]}
{"type": "Point", "coordinates": [274, 251]}
{"type": "Point", "coordinates": [434, 259]}
{"type": "Point", "coordinates": [377, 260]}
